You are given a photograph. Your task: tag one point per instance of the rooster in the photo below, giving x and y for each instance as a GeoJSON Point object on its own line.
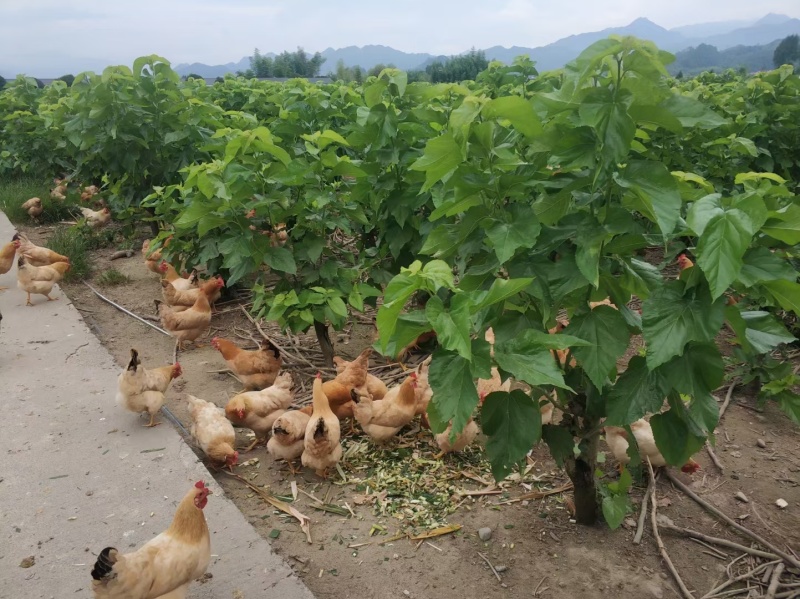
{"type": "Point", "coordinates": [164, 567]}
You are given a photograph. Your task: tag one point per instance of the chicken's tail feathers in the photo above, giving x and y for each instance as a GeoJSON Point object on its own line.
{"type": "Point", "coordinates": [319, 431]}
{"type": "Point", "coordinates": [134, 360]}
{"type": "Point", "coordinates": [105, 563]}
{"type": "Point", "coordinates": [270, 346]}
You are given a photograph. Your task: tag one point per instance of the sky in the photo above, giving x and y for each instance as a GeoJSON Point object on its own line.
{"type": "Point", "coordinates": [49, 38]}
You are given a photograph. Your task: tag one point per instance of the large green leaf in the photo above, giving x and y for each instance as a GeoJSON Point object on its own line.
{"type": "Point", "coordinates": [638, 391]}
{"type": "Point", "coordinates": [760, 264]}
{"type": "Point", "coordinates": [605, 329]}
{"type": "Point", "coordinates": [672, 318]}
{"type": "Point", "coordinates": [508, 237]}
{"type": "Point", "coordinates": [765, 332]}
{"type": "Point", "coordinates": [517, 110]}
{"type": "Point", "coordinates": [786, 293]}
{"type": "Point", "coordinates": [674, 438]}
{"type": "Point", "coordinates": [454, 392]}
{"type": "Point", "coordinates": [442, 156]}
{"type": "Point", "coordinates": [656, 189]}
{"type": "Point", "coordinates": [601, 110]}
{"type": "Point", "coordinates": [693, 113]}
{"type": "Point", "coordinates": [501, 290]}
{"type": "Point", "coordinates": [702, 211]}
{"type": "Point", "coordinates": [513, 423]}
{"type": "Point", "coordinates": [560, 442]}
{"type": "Point", "coordinates": [698, 371]}
{"type": "Point", "coordinates": [527, 359]}
{"type": "Point", "coordinates": [452, 325]}
{"type": "Point", "coordinates": [721, 248]}
{"type": "Point", "coordinates": [281, 259]}
{"type": "Point", "coordinates": [784, 225]}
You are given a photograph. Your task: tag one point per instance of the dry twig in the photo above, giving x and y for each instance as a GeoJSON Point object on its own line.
{"type": "Point", "coordinates": [283, 350]}
{"type": "Point", "coordinates": [714, 457]}
{"type": "Point", "coordinates": [773, 584]}
{"type": "Point", "coordinates": [727, 401]}
{"type": "Point", "coordinates": [640, 528]}
{"type": "Point", "coordinates": [486, 559]}
{"type": "Point", "coordinates": [121, 309]}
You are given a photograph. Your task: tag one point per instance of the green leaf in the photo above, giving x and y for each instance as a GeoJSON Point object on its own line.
{"type": "Point", "coordinates": [786, 293]}
{"type": "Point", "coordinates": [501, 290]}
{"type": "Point", "coordinates": [454, 392]}
{"type": "Point", "coordinates": [609, 117]}
{"type": "Point", "coordinates": [656, 188]}
{"type": "Point", "coordinates": [615, 508]}
{"type": "Point", "coordinates": [637, 392]}
{"type": "Point", "coordinates": [560, 442]}
{"type": "Point", "coordinates": [527, 357]}
{"type": "Point", "coordinates": [453, 326]}
{"type": "Point", "coordinates": [442, 156]}
{"type": "Point", "coordinates": [671, 319]}
{"type": "Point", "coordinates": [674, 439]}
{"type": "Point", "coordinates": [702, 211]}
{"type": "Point", "coordinates": [337, 306]}
{"type": "Point", "coordinates": [399, 289]}
{"type": "Point", "coordinates": [439, 273]}
{"type": "Point", "coordinates": [280, 259]}
{"type": "Point", "coordinates": [517, 110]}
{"type": "Point", "coordinates": [513, 423]}
{"type": "Point", "coordinates": [784, 225]}
{"type": "Point", "coordinates": [789, 402]}
{"type": "Point", "coordinates": [507, 238]}
{"type": "Point", "coordinates": [605, 329]}
{"type": "Point", "coordinates": [759, 265]}
{"type": "Point", "coordinates": [693, 113]}
{"type": "Point", "coordinates": [699, 371]}
{"type": "Point", "coordinates": [721, 248]}
{"type": "Point", "coordinates": [764, 332]}
{"type": "Point", "coordinates": [587, 257]}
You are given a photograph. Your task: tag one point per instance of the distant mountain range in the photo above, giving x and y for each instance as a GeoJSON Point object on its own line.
{"type": "Point", "coordinates": [723, 35]}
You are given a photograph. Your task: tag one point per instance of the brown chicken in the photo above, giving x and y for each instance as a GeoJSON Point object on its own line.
{"type": "Point", "coordinates": [37, 255]}
{"type": "Point", "coordinates": [180, 283]}
{"type": "Point", "coordinates": [183, 299]}
{"type": "Point", "coordinates": [213, 431]}
{"type": "Point", "coordinates": [617, 440]}
{"type": "Point", "coordinates": [7, 254]}
{"type": "Point", "coordinates": [352, 376]}
{"type": "Point", "coordinates": [396, 409]}
{"type": "Point", "coordinates": [39, 279]}
{"type": "Point", "coordinates": [288, 437]}
{"type": "Point", "coordinates": [373, 385]}
{"type": "Point", "coordinates": [59, 192]}
{"type": "Point", "coordinates": [141, 390]}
{"type": "Point", "coordinates": [165, 566]}
{"type": "Point", "coordinates": [321, 447]}
{"type": "Point", "coordinates": [256, 369]}
{"type": "Point", "coordinates": [96, 219]}
{"type": "Point", "coordinates": [189, 324]}
{"type": "Point", "coordinates": [152, 260]}
{"type": "Point", "coordinates": [257, 410]}
{"type": "Point", "coordinates": [33, 207]}
{"type": "Point", "coordinates": [423, 391]}
{"type": "Point", "coordinates": [462, 440]}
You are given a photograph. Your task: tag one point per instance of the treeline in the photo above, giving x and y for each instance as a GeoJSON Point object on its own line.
{"type": "Point", "coordinates": [747, 59]}
{"type": "Point", "coordinates": [286, 64]}
{"type": "Point", "coordinates": [456, 68]}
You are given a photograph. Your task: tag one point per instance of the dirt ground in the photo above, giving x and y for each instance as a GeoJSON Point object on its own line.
{"type": "Point", "coordinates": [535, 547]}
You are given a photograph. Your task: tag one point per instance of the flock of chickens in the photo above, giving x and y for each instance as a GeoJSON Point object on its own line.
{"type": "Point", "coordinates": [165, 566]}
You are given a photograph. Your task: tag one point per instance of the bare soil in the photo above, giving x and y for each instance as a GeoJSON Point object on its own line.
{"type": "Point", "coordinates": [541, 551]}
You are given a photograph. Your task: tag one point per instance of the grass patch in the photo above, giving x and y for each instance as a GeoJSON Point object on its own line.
{"type": "Point", "coordinates": [15, 192]}
{"type": "Point", "coordinates": [112, 277]}
{"type": "Point", "coordinates": [70, 242]}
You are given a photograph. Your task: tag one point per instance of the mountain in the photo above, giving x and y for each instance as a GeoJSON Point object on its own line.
{"type": "Point", "coordinates": [764, 31]}
{"type": "Point", "coordinates": [704, 30]}
{"type": "Point", "coordinates": [204, 70]}
{"type": "Point", "coordinates": [369, 56]}
{"type": "Point", "coordinates": [704, 57]}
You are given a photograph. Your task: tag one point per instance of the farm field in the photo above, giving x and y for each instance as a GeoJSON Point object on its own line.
{"type": "Point", "coordinates": [629, 239]}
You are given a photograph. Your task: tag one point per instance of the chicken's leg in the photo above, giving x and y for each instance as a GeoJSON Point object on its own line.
{"type": "Point", "coordinates": [152, 421]}
{"type": "Point", "coordinates": [250, 447]}
{"type": "Point", "coordinates": [28, 302]}
{"type": "Point", "coordinates": [3, 289]}
{"type": "Point", "coordinates": [50, 299]}
{"type": "Point", "coordinates": [439, 456]}
{"type": "Point", "coordinates": [295, 471]}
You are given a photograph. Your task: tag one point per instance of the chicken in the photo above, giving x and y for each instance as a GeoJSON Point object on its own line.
{"type": "Point", "coordinates": [189, 324]}
{"type": "Point", "coordinates": [396, 409]}
{"type": "Point", "coordinates": [186, 298]}
{"type": "Point", "coordinates": [39, 279]}
{"type": "Point", "coordinates": [376, 432]}
{"type": "Point", "coordinates": [352, 376]}
{"type": "Point", "coordinates": [37, 255]}
{"type": "Point", "coordinates": [152, 260]}
{"type": "Point", "coordinates": [213, 432]}
{"type": "Point", "coordinates": [617, 440]}
{"type": "Point", "coordinates": [141, 390]}
{"type": "Point", "coordinates": [178, 282]}
{"type": "Point", "coordinates": [288, 437]}
{"type": "Point", "coordinates": [684, 262]}
{"type": "Point", "coordinates": [546, 410]}
{"type": "Point", "coordinates": [257, 410]}
{"type": "Point", "coordinates": [59, 191]}
{"type": "Point", "coordinates": [373, 385]}
{"type": "Point", "coordinates": [33, 207]}
{"type": "Point", "coordinates": [423, 391]}
{"type": "Point", "coordinates": [92, 190]}
{"type": "Point", "coordinates": [278, 235]}
{"type": "Point", "coordinates": [321, 447]}
{"type": "Point", "coordinates": [96, 219]}
{"type": "Point", "coordinates": [166, 565]}
{"type": "Point", "coordinates": [256, 369]}
{"type": "Point", "coordinates": [7, 254]}
{"type": "Point", "coordinates": [487, 386]}
{"type": "Point", "coordinates": [462, 440]}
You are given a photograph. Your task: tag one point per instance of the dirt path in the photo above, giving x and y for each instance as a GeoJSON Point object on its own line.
{"type": "Point", "coordinates": [534, 541]}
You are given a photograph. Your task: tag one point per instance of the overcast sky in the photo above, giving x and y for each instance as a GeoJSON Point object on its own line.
{"type": "Point", "coordinates": [48, 38]}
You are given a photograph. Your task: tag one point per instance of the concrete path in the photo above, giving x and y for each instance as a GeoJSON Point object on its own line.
{"type": "Point", "coordinates": [78, 473]}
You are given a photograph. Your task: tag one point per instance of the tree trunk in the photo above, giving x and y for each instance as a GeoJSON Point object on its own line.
{"type": "Point", "coordinates": [581, 472]}
{"type": "Point", "coordinates": [321, 329]}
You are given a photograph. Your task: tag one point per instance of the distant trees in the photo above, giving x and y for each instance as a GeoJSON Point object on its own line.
{"type": "Point", "coordinates": [457, 68]}
{"type": "Point", "coordinates": [193, 76]}
{"type": "Point", "coordinates": [2, 82]}
{"type": "Point", "coordinates": [788, 51]}
{"type": "Point", "coordinates": [68, 79]}
{"type": "Point", "coordinates": [286, 64]}
{"type": "Point", "coordinates": [356, 73]}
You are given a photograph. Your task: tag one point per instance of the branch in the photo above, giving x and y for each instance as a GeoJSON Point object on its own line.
{"type": "Point", "coordinates": [128, 312]}
{"type": "Point", "coordinates": [297, 357]}
{"type": "Point", "coordinates": [668, 524]}
{"type": "Point", "coordinates": [725, 403]}
{"type": "Point", "coordinates": [640, 529]}
{"type": "Point", "coordinates": [714, 458]}
{"type": "Point", "coordinates": [710, 508]}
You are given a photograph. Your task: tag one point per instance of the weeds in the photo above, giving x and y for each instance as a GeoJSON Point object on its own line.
{"type": "Point", "coordinates": [15, 192]}
{"type": "Point", "coordinates": [112, 277]}
{"type": "Point", "coordinates": [70, 242]}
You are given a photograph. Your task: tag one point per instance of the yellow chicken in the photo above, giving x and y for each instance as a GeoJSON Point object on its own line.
{"type": "Point", "coordinates": [321, 447]}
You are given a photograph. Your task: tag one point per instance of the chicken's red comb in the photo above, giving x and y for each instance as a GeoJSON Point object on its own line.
{"type": "Point", "coordinates": [319, 375]}
{"type": "Point", "coordinates": [200, 484]}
